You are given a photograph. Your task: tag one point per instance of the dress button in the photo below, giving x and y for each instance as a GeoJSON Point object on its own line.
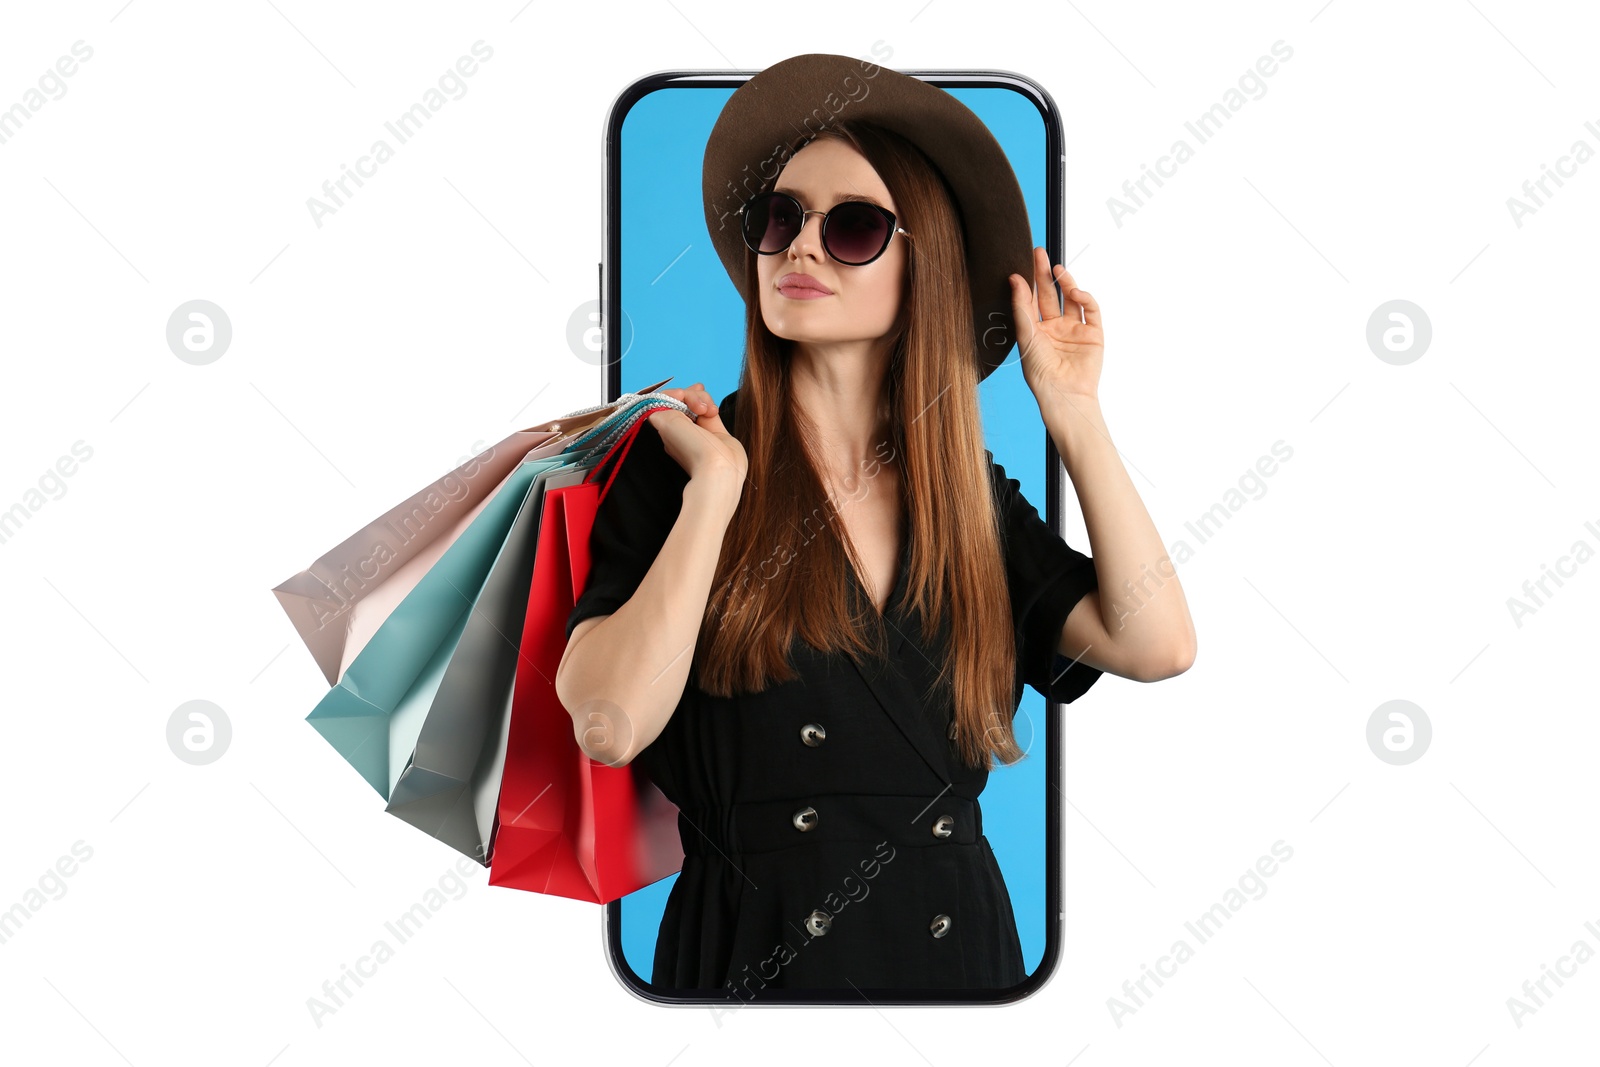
{"type": "Point", "coordinates": [943, 826]}
{"type": "Point", "coordinates": [818, 922]}
{"type": "Point", "coordinates": [940, 925]}
{"type": "Point", "coordinates": [805, 818]}
{"type": "Point", "coordinates": [813, 734]}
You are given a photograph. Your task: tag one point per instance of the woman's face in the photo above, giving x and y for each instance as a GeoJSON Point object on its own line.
{"type": "Point", "coordinates": [864, 300]}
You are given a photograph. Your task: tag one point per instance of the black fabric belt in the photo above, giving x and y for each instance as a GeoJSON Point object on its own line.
{"type": "Point", "coordinates": [763, 826]}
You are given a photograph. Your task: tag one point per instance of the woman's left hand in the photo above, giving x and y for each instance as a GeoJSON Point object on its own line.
{"type": "Point", "coordinates": [1061, 355]}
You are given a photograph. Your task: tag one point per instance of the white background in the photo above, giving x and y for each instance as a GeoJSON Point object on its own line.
{"type": "Point", "coordinates": [429, 313]}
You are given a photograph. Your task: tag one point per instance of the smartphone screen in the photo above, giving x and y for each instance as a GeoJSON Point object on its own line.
{"type": "Point", "coordinates": [669, 309]}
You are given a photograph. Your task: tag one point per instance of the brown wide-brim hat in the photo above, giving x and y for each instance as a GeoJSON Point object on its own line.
{"type": "Point", "coordinates": [758, 130]}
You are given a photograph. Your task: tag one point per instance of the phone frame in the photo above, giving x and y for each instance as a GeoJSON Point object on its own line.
{"type": "Point", "coordinates": [1056, 486]}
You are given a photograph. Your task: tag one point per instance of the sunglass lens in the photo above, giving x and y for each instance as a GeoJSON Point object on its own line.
{"type": "Point", "coordinates": [770, 223]}
{"type": "Point", "coordinates": [856, 232]}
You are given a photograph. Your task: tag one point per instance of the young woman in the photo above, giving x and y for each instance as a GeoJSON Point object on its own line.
{"type": "Point", "coordinates": [812, 608]}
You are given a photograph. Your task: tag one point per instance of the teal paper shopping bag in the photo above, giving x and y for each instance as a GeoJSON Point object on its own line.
{"type": "Point", "coordinates": [374, 715]}
{"type": "Point", "coordinates": [449, 786]}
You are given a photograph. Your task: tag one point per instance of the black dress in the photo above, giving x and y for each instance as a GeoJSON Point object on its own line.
{"type": "Point", "coordinates": [832, 836]}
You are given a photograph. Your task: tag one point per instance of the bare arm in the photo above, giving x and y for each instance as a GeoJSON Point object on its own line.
{"type": "Point", "coordinates": [1149, 635]}
{"type": "Point", "coordinates": [622, 674]}
{"type": "Point", "coordinates": [1137, 623]}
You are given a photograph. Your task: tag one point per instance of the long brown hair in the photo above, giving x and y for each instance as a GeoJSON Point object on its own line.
{"type": "Point", "coordinates": [784, 568]}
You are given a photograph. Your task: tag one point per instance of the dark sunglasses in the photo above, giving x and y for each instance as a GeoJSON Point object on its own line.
{"type": "Point", "coordinates": [853, 233]}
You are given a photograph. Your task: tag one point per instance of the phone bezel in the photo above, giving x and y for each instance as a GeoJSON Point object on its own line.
{"type": "Point", "coordinates": [1055, 489]}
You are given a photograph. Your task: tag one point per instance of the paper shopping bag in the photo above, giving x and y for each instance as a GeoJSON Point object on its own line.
{"type": "Point", "coordinates": [451, 783]}
{"type": "Point", "coordinates": [567, 825]}
{"type": "Point", "coordinates": [338, 602]}
{"type": "Point", "coordinates": [375, 713]}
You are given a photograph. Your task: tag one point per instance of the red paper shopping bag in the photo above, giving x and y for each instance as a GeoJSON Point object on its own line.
{"type": "Point", "coordinates": [566, 824]}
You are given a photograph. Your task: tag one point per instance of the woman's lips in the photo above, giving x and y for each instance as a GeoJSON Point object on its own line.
{"type": "Point", "coordinates": [801, 287]}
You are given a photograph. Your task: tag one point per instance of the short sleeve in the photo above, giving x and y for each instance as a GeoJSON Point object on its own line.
{"type": "Point", "coordinates": [631, 524]}
{"type": "Point", "coordinates": [1046, 578]}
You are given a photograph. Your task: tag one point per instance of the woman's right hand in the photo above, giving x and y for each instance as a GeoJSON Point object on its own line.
{"type": "Point", "coordinates": [702, 446]}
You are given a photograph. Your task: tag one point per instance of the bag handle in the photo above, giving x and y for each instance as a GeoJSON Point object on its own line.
{"type": "Point", "coordinates": [576, 423]}
{"type": "Point", "coordinates": [620, 449]}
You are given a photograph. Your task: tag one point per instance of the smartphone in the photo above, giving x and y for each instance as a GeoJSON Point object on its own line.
{"type": "Point", "coordinates": [667, 308]}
